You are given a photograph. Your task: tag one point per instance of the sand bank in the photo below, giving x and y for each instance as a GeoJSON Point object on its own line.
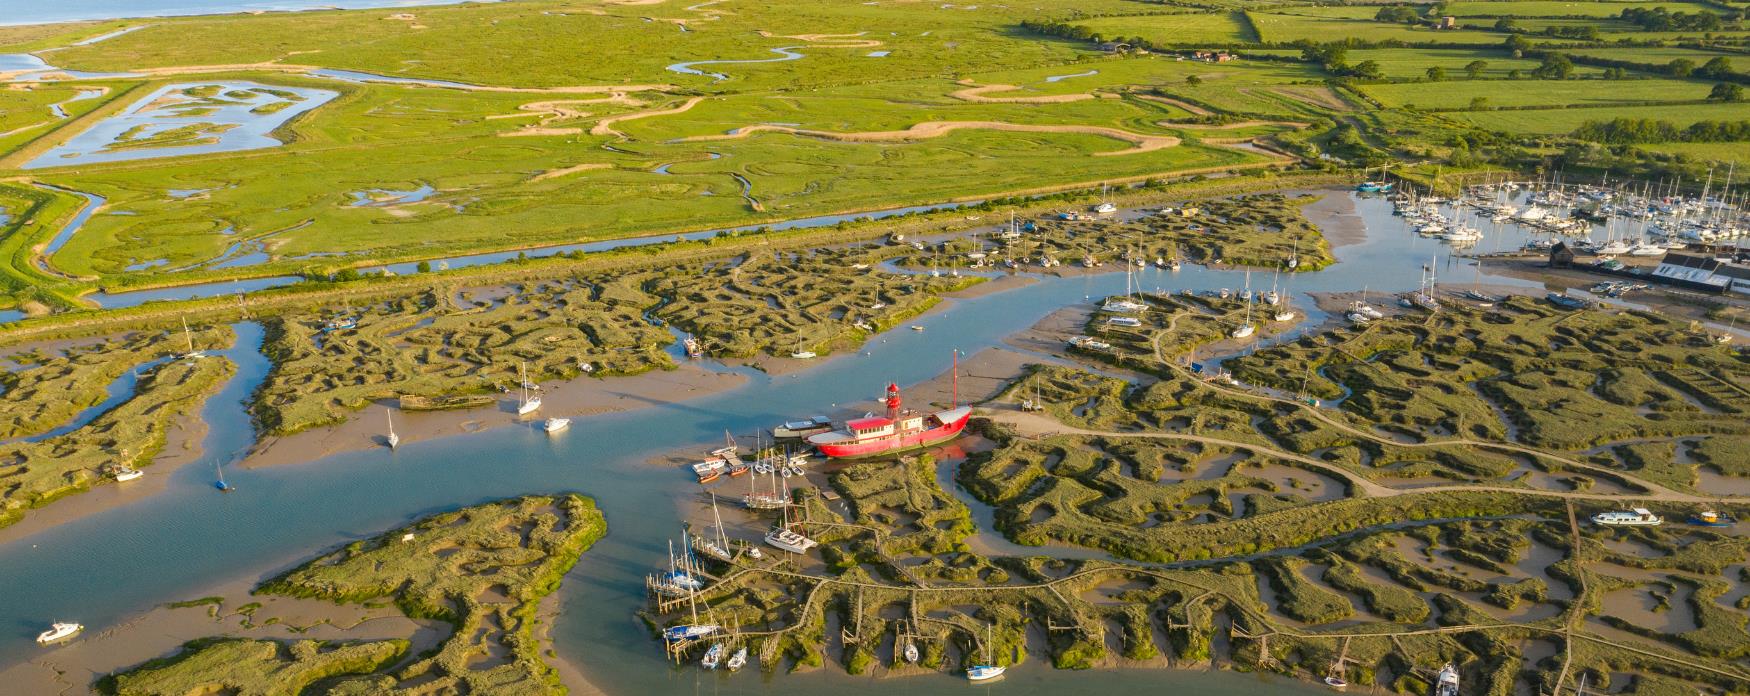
{"type": "Point", "coordinates": [581, 397]}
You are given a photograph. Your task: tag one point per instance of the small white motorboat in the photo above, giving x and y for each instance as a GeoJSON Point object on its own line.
{"type": "Point", "coordinates": [737, 660]}
{"type": "Point", "coordinates": [713, 656]}
{"type": "Point", "coordinates": [1245, 331]}
{"type": "Point", "coordinates": [127, 473]}
{"type": "Point", "coordinates": [554, 425]}
{"type": "Point", "coordinates": [985, 672]}
{"type": "Point", "coordinates": [60, 630]}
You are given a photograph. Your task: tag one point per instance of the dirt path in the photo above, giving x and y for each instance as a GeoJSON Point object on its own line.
{"type": "Point", "coordinates": [573, 169]}
{"type": "Point", "coordinates": [1236, 125]}
{"type": "Point", "coordinates": [1169, 101]}
{"type": "Point", "coordinates": [936, 129]}
{"type": "Point", "coordinates": [606, 125]}
{"type": "Point", "coordinates": [976, 93]}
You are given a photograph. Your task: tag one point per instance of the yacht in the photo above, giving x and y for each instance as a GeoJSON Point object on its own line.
{"type": "Point", "coordinates": [1127, 322]}
{"type": "Point", "coordinates": [1125, 305]}
{"type": "Point", "coordinates": [985, 672]}
{"type": "Point", "coordinates": [192, 354]}
{"type": "Point", "coordinates": [1244, 331]}
{"type": "Point", "coordinates": [1446, 684]}
{"type": "Point", "coordinates": [527, 405]}
{"type": "Point", "coordinates": [392, 439]}
{"type": "Point", "coordinates": [1462, 233]}
{"type": "Point", "coordinates": [554, 425]}
{"type": "Point", "coordinates": [713, 656]}
{"type": "Point", "coordinates": [803, 355]}
{"type": "Point", "coordinates": [1284, 316]}
{"type": "Point", "coordinates": [788, 540]}
{"type": "Point", "coordinates": [1646, 249]}
{"type": "Point", "coordinates": [676, 634]}
{"type": "Point", "coordinates": [61, 630]}
{"type": "Point", "coordinates": [1638, 517]}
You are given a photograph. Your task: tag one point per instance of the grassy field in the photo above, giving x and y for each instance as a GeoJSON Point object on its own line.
{"type": "Point", "coordinates": [1178, 29]}
{"type": "Point", "coordinates": [1458, 94]}
{"type": "Point", "coordinates": [1736, 153]}
{"type": "Point", "coordinates": [708, 116]}
{"type": "Point", "coordinates": [1561, 121]}
{"type": "Point", "coordinates": [1282, 28]}
{"type": "Point", "coordinates": [1413, 63]}
{"type": "Point", "coordinates": [1556, 8]}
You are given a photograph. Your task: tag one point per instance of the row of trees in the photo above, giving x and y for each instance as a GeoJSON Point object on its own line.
{"type": "Point", "coordinates": [1633, 131]}
{"type": "Point", "coordinates": [1659, 19]}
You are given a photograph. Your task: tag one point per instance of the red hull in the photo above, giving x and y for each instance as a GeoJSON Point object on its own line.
{"type": "Point", "coordinates": [898, 442]}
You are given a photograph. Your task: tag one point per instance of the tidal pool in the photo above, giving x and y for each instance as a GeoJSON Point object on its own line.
{"type": "Point", "coordinates": [190, 118]}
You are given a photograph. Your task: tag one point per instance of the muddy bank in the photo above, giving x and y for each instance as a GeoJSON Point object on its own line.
{"type": "Point", "coordinates": [1336, 216]}
{"type": "Point", "coordinates": [71, 667]}
{"type": "Point", "coordinates": [576, 398]}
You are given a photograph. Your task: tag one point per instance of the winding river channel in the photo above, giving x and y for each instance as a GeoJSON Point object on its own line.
{"type": "Point", "coordinates": [103, 568]}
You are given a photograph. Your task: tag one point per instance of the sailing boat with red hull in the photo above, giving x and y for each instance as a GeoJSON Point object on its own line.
{"type": "Point", "coordinates": [899, 430]}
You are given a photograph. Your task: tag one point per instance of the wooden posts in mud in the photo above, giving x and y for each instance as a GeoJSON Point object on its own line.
{"type": "Point", "coordinates": [854, 633]}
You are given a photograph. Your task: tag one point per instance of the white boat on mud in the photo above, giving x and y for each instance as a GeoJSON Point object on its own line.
{"type": "Point", "coordinates": [789, 540]}
{"type": "Point", "coordinates": [60, 630]}
{"type": "Point", "coordinates": [554, 425]}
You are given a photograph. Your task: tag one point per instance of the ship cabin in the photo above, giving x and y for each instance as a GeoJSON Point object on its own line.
{"type": "Point", "coordinates": [878, 426]}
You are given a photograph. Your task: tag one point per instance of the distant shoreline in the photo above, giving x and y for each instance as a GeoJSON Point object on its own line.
{"type": "Point", "coordinates": [144, 10]}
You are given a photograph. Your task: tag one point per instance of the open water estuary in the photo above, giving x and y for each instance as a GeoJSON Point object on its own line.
{"type": "Point", "coordinates": [105, 567]}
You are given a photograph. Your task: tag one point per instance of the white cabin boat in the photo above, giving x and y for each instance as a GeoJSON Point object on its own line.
{"type": "Point", "coordinates": [985, 672]}
{"type": "Point", "coordinates": [127, 473]}
{"type": "Point", "coordinates": [60, 630]}
{"type": "Point", "coordinates": [788, 540]}
{"type": "Point", "coordinates": [1637, 517]}
{"type": "Point", "coordinates": [554, 425]}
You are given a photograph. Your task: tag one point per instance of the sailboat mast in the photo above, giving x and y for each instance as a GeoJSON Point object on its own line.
{"type": "Point", "coordinates": [956, 381]}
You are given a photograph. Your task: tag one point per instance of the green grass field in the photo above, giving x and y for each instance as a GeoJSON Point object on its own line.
{"type": "Point", "coordinates": [1556, 8]}
{"type": "Point", "coordinates": [1557, 121]}
{"type": "Point", "coordinates": [601, 129]}
{"type": "Point", "coordinates": [1179, 29]}
{"type": "Point", "coordinates": [1458, 94]}
{"type": "Point", "coordinates": [1283, 28]}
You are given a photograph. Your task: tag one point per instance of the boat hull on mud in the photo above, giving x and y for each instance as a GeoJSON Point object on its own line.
{"type": "Point", "coordinates": [946, 425]}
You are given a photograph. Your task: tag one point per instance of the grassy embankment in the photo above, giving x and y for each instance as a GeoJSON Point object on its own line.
{"type": "Point", "coordinates": [481, 569]}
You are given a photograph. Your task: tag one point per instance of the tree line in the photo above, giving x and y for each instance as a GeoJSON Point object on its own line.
{"type": "Point", "coordinates": [1635, 131]}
